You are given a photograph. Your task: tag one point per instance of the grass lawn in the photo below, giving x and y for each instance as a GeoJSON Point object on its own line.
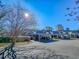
{"type": "Point", "coordinates": [19, 43]}
{"type": "Point", "coordinates": [4, 44]}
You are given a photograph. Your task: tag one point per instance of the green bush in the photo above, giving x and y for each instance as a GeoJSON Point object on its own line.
{"type": "Point", "coordinates": [5, 39]}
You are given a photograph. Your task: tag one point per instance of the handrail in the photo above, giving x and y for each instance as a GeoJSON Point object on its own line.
{"type": "Point", "coordinates": [8, 52]}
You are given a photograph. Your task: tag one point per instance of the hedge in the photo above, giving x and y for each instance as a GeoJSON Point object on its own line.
{"type": "Point", "coordinates": [5, 39]}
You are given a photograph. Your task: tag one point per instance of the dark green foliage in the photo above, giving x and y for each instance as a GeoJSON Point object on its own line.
{"type": "Point", "coordinates": [5, 39]}
{"type": "Point", "coordinates": [77, 30]}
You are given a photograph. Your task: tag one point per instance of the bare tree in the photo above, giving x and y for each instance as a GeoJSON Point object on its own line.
{"type": "Point", "coordinates": [73, 12]}
{"type": "Point", "coordinates": [17, 21]}
{"type": "Point", "coordinates": [3, 13]}
{"type": "Point", "coordinates": [48, 28]}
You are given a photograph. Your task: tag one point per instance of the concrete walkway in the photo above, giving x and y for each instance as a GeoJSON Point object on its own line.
{"type": "Point", "coordinates": [61, 47]}
{"type": "Point", "coordinates": [64, 47]}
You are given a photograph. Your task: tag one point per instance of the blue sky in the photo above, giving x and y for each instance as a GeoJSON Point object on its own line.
{"type": "Point", "coordinates": [50, 12]}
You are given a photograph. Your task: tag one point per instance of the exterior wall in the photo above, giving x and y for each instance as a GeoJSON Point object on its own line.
{"type": "Point", "coordinates": [59, 27]}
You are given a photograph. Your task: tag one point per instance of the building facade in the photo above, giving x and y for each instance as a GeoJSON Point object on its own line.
{"type": "Point", "coordinates": [59, 27]}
